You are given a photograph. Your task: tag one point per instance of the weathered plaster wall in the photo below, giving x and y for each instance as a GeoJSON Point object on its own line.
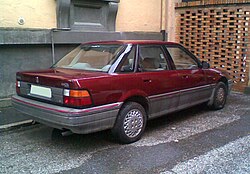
{"type": "Point", "coordinates": [36, 13]}
{"type": "Point", "coordinates": [134, 15]}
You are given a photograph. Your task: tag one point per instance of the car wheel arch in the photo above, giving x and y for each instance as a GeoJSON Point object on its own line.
{"type": "Point", "coordinates": [137, 96]}
{"type": "Point", "coordinates": [224, 80]}
{"type": "Point", "coordinates": [143, 101]}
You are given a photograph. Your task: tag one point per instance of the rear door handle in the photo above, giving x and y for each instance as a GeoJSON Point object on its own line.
{"type": "Point", "coordinates": [147, 80]}
{"type": "Point", "coordinates": [185, 76]}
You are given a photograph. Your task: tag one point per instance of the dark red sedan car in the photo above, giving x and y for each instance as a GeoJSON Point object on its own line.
{"type": "Point", "coordinates": [118, 85]}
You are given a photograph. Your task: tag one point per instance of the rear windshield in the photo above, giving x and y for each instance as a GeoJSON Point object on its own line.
{"type": "Point", "coordinates": [91, 57]}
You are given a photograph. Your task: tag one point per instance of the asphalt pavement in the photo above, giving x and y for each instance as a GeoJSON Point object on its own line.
{"type": "Point", "coordinates": [196, 140]}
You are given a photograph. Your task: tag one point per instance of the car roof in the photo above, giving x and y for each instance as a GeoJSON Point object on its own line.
{"type": "Point", "coordinates": [157, 42]}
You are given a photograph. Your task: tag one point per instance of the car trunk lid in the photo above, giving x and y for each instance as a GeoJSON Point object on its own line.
{"type": "Point", "coordinates": [57, 77]}
{"type": "Point", "coordinates": [48, 85]}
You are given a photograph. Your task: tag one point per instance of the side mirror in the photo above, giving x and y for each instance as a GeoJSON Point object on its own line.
{"type": "Point", "coordinates": [205, 65]}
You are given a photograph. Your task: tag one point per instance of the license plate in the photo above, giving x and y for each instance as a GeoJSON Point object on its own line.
{"type": "Point", "coordinates": [41, 91]}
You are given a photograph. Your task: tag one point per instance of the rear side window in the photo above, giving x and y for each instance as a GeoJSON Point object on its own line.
{"type": "Point", "coordinates": [152, 58]}
{"type": "Point", "coordinates": [128, 63]}
{"type": "Point", "coordinates": [182, 59]}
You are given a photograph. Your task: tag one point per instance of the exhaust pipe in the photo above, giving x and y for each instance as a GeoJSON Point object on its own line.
{"type": "Point", "coordinates": [67, 133]}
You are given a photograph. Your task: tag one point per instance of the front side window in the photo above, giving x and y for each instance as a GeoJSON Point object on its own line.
{"type": "Point", "coordinates": [182, 59]}
{"type": "Point", "coordinates": [152, 58]}
{"type": "Point", "coordinates": [91, 57]}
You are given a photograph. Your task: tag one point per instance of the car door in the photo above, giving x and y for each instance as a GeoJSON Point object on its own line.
{"type": "Point", "coordinates": [194, 88]}
{"type": "Point", "coordinates": [158, 79]}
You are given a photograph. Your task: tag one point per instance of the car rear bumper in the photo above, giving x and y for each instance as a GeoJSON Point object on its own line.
{"type": "Point", "coordinates": [77, 120]}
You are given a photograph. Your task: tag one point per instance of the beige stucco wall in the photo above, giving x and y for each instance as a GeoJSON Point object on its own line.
{"type": "Point", "coordinates": [133, 15]}
{"type": "Point", "coordinates": [136, 15]}
{"type": "Point", "coordinates": [36, 13]}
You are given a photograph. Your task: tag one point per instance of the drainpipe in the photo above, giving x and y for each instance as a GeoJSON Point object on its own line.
{"type": "Point", "coordinates": [163, 20]}
{"type": "Point", "coordinates": [53, 42]}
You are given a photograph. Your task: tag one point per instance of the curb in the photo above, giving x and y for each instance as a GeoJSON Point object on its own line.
{"type": "Point", "coordinates": [5, 102]}
{"type": "Point", "coordinates": [11, 126]}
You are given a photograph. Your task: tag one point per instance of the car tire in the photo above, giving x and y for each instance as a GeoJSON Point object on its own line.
{"type": "Point", "coordinates": [130, 123]}
{"type": "Point", "coordinates": [219, 96]}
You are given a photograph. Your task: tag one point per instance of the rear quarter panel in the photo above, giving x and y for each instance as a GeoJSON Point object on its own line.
{"type": "Point", "coordinates": [113, 88]}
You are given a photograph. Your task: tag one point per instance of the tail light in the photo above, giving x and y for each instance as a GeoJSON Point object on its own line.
{"type": "Point", "coordinates": [18, 85]}
{"type": "Point", "coordinates": [76, 98]}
